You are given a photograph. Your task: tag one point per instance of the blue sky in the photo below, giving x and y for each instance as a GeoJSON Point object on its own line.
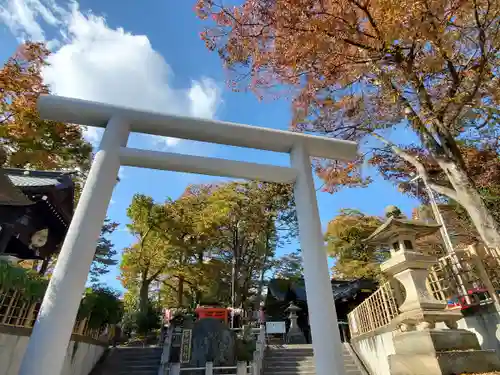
{"type": "Point", "coordinates": [147, 54]}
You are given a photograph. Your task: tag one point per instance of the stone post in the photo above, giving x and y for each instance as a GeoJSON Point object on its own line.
{"type": "Point", "coordinates": [241, 368]}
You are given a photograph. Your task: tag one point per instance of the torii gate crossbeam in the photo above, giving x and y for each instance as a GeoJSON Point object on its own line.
{"type": "Point", "coordinates": [48, 344]}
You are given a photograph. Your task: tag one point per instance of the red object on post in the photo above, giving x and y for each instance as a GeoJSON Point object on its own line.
{"type": "Point", "coordinates": [213, 312]}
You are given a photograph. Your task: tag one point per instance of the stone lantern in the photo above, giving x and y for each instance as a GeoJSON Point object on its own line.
{"type": "Point", "coordinates": [419, 347]}
{"type": "Point", "coordinates": [411, 268]}
{"type": "Point", "coordinates": [294, 335]}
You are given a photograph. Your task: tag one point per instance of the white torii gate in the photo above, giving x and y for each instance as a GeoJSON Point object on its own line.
{"type": "Point", "coordinates": [51, 334]}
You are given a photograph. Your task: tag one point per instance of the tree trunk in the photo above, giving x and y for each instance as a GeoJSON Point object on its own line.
{"type": "Point", "coordinates": [180, 291]}
{"type": "Point", "coordinates": [258, 300]}
{"type": "Point", "coordinates": [144, 296]}
{"type": "Point", "coordinates": [471, 200]}
{"type": "Point", "coordinates": [264, 268]}
{"type": "Point", "coordinates": [44, 266]}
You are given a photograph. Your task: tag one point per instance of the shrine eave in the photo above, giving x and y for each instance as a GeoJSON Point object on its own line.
{"type": "Point", "coordinates": [26, 187]}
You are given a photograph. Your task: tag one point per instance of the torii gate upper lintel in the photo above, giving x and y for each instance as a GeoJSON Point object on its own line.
{"type": "Point", "coordinates": [48, 344]}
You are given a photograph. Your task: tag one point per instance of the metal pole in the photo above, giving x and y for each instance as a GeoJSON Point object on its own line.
{"type": "Point", "coordinates": [456, 265]}
{"type": "Point", "coordinates": [439, 218]}
{"type": "Point", "coordinates": [48, 344]}
{"type": "Point", "coordinates": [325, 332]}
{"type": "Point", "coordinates": [233, 289]}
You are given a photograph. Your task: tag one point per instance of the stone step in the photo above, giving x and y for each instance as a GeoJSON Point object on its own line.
{"type": "Point", "coordinates": [138, 355]}
{"type": "Point", "coordinates": [290, 372]}
{"type": "Point", "coordinates": [297, 358]}
{"type": "Point", "coordinates": [289, 355]}
{"type": "Point", "coordinates": [278, 361]}
{"type": "Point", "coordinates": [348, 371]}
{"type": "Point", "coordinates": [133, 352]}
{"type": "Point", "coordinates": [138, 359]}
{"type": "Point", "coordinates": [292, 366]}
{"type": "Point", "coordinates": [292, 360]}
{"type": "Point", "coordinates": [141, 365]}
{"type": "Point", "coordinates": [287, 365]}
{"type": "Point", "coordinates": [300, 352]}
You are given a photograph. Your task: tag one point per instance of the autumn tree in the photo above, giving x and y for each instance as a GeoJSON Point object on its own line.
{"type": "Point", "coordinates": [483, 165]}
{"type": "Point", "coordinates": [460, 230]}
{"type": "Point", "coordinates": [362, 69]}
{"type": "Point", "coordinates": [353, 258]}
{"type": "Point", "coordinates": [26, 139]}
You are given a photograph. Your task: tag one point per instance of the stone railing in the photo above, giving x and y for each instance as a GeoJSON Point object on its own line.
{"type": "Point", "coordinates": [469, 277]}
{"type": "Point", "coordinates": [17, 312]}
{"type": "Point", "coordinates": [242, 368]}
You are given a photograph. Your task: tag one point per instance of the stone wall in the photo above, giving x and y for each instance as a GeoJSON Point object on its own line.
{"type": "Point", "coordinates": [484, 321]}
{"type": "Point", "coordinates": [374, 347]}
{"type": "Point", "coordinates": [82, 354]}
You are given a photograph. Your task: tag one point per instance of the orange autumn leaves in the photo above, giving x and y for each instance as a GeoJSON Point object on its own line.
{"type": "Point", "coordinates": [26, 139]}
{"type": "Point", "coordinates": [354, 67]}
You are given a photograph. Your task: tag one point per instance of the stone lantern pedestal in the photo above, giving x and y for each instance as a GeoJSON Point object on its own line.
{"type": "Point", "coordinates": [420, 348]}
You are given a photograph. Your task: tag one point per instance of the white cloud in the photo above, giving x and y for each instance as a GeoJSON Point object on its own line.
{"type": "Point", "coordinates": [21, 16]}
{"type": "Point", "coordinates": [95, 62]}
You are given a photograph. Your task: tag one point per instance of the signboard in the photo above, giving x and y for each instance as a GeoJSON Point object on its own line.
{"type": "Point", "coordinates": [187, 335]}
{"type": "Point", "coordinates": [275, 327]}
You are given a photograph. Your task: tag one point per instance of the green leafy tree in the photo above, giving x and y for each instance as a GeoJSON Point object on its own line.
{"type": "Point", "coordinates": [289, 266]}
{"type": "Point", "coordinates": [29, 283]}
{"type": "Point", "coordinates": [249, 218]}
{"type": "Point", "coordinates": [359, 70]}
{"type": "Point", "coordinates": [101, 306]}
{"type": "Point", "coordinates": [105, 253]}
{"type": "Point", "coordinates": [147, 321]}
{"type": "Point", "coordinates": [189, 233]}
{"type": "Point", "coordinates": [189, 244]}
{"type": "Point", "coordinates": [143, 261]}
{"type": "Point", "coordinates": [170, 240]}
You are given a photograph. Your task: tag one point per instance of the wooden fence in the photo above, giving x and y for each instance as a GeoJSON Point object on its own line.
{"type": "Point", "coordinates": [15, 311]}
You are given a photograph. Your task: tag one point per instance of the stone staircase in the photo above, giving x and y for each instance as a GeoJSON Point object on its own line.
{"type": "Point", "coordinates": [130, 361]}
{"type": "Point", "coordinates": [298, 360]}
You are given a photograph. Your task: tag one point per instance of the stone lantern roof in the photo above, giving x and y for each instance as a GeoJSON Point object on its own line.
{"type": "Point", "coordinates": [394, 227]}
